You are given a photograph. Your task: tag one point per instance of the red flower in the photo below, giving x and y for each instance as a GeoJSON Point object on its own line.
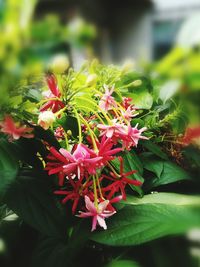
{"type": "Point", "coordinates": [54, 92]}
{"type": "Point", "coordinates": [74, 192]}
{"type": "Point", "coordinates": [119, 182]}
{"type": "Point", "coordinates": [9, 127]}
{"type": "Point", "coordinates": [190, 135]}
{"type": "Point", "coordinates": [59, 133]}
{"type": "Point", "coordinates": [112, 131]}
{"type": "Point", "coordinates": [126, 103]}
{"type": "Point", "coordinates": [106, 150]}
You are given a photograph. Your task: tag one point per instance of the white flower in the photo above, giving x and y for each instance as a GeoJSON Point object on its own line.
{"type": "Point", "coordinates": [46, 118]}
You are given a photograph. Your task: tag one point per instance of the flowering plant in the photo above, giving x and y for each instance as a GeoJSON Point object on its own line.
{"type": "Point", "coordinates": [93, 144]}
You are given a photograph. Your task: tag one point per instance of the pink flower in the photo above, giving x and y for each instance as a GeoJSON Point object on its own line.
{"type": "Point", "coordinates": [98, 213]}
{"type": "Point", "coordinates": [9, 127]}
{"type": "Point", "coordinates": [129, 113]}
{"type": "Point", "coordinates": [81, 162]}
{"type": "Point", "coordinates": [133, 136]}
{"type": "Point", "coordinates": [115, 130]}
{"type": "Point", "coordinates": [107, 102]}
{"type": "Point", "coordinates": [55, 105]}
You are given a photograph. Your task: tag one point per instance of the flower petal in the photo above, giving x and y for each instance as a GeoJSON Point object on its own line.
{"type": "Point", "coordinates": [101, 222]}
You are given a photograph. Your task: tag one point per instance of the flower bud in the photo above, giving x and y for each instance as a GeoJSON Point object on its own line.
{"type": "Point", "coordinates": [69, 133]}
{"type": "Point", "coordinates": [136, 83]}
{"type": "Point", "coordinates": [127, 66]}
{"type": "Point", "coordinates": [91, 79]}
{"type": "Point", "coordinates": [46, 119]}
{"type": "Point", "coordinates": [59, 64]}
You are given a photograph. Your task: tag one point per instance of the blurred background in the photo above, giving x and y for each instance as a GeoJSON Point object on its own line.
{"type": "Point", "coordinates": [143, 30]}
{"type": "Point", "coordinates": [159, 38]}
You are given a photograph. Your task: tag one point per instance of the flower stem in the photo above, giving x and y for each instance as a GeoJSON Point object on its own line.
{"type": "Point", "coordinates": [98, 184]}
{"type": "Point", "coordinates": [92, 134]}
{"type": "Point", "coordinates": [60, 111]}
{"type": "Point", "coordinates": [95, 192]}
{"type": "Point", "coordinates": [113, 170]}
{"type": "Point", "coordinates": [47, 100]}
{"type": "Point", "coordinates": [79, 126]}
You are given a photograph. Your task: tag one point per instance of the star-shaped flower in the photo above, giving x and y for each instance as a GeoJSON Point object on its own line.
{"type": "Point", "coordinates": [98, 214]}
{"type": "Point", "coordinates": [8, 126]}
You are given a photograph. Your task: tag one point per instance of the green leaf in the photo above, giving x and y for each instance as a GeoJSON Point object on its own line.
{"type": "Point", "coordinates": [32, 200]}
{"type": "Point", "coordinates": [152, 147]}
{"type": "Point", "coordinates": [143, 100]}
{"type": "Point", "coordinates": [51, 252]}
{"type": "Point", "coordinates": [59, 252]}
{"type": "Point", "coordinates": [166, 171]}
{"type": "Point", "coordinates": [69, 123]}
{"type": "Point", "coordinates": [85, 102]}
{"type": "Point", "coordinates": [122, 263]}
{"type": "Point", "coordinates": [151, 217]}
{"type": "Point", "coordinates": [27, 149]}
{"type": "Point", "coordinates": [169, 89]}
{"type": "Point", "coordinates": [47, 136]}
{"type": "Point", "coordinates": [8, 166]}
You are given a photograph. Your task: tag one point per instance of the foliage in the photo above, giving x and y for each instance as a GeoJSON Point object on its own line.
{"type": "Point", "coordinates": [27, 189]}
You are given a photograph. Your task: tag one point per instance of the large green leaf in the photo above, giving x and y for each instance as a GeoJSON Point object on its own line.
{"type": "Point", "coordinates": [143, 100]}
{"type": "Point", "coordinates": [149, 218]}
{"type": "Point", "coordinates": [8, 166]}
{"type": "Point", "coordinates": [31, 198]}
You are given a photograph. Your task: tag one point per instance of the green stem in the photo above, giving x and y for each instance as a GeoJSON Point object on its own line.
{"type": "Point", "coordinates": [92, 134]}
{"type": "Point", "coordinates": [113, 170]}
{"type": "Point", "coordinates": [98, 184]}
{"type": "Point", "coordinates": [83, 107]}
{"type": "Point", "coordinates": [47, 100]}
{"type": "Point", "coordinates": [79, 126]}
{"type": "Point", "coordinates": [60, 111]}
{"type": "Point", "coordinates": [95, 192]}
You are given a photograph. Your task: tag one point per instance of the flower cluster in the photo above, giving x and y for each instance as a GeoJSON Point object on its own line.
{"type": "Point", "coordinates": [86, 172]}
{"type": "Point", "coordinates": [89, 168]}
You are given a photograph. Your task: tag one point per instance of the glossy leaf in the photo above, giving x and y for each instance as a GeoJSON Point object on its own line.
{"type": "Point", "coordinates": [165, 172]}
{"type": "Point", "coordinates": [154, 148]}
{"type": "Point", "coordinates": [149, 218]}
